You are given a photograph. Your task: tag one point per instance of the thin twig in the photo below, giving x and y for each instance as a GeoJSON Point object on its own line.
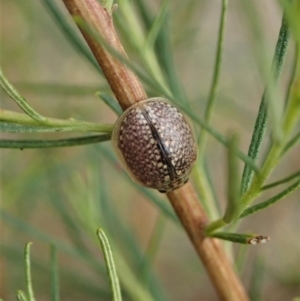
{"type": "Point", "coordinates": [128, 89]}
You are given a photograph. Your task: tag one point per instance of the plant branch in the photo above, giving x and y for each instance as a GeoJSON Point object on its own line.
{"type": "Point", "coordinates": [193, 218]}
{"type": "Point", "coordinates": [129, 90]}
{"type": "Point", "coordinates": [123, 82]}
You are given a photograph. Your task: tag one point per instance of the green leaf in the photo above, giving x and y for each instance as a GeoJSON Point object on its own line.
{"type": "Point", "coordinates": [24, 227]}
{"type": "Point", "coordinates": [120, 231]}
{"type": "Point", "coordinates": [233, 196]}
{"type": "Point", "coordinates": [20, 296]}
{"type": "Point", "coordinates": [28, 272]}
{"type": "Point", "coordinates": [256, 282]}
{"type": "Point", "coordinates": [219, 137]}
{"type": "Point", "coordinates": [54, 273]}
{"type": "Point", "coordinates": [19, 99]}
{"type": "Point", "coordinates": [22, 144]}
{"type": "Point", "coordinates": [241, 259]}
{"type": "Point", "coordinates": [110, 101]}
{"type": "Point", "coordinates": [144, 76]}
{"type": "Point", "coordinates": [291, 9]}
{"type": "Point", "coordinates": [282, 181]}
{"type": "Point", "coordinates": [152, 248]}
{"type": "Point", "coordinates": [291, 143]}
{"type": "Point", "coordinates": [69, 32]}
{"type": "Point", "coordinates": [215, 79]}
{"type": "Point", "coordinates": [157, 25]}
{"type": "Point", "coordinates": [110, 265]}
{"type": "Point", "coordinates": [271, 201]}
{"type": "Point", "coordinates": [70, 124]}
{"type": "Point", "coordinates": [165, 56]}
{"type": "Point", "coordinates": [58, 88]}
{"type": "Point", "coordinates": [71, 276]}
{"type": "Point", "coordinates": [135, 36]}
{"type": "Point", "coordinates": [261, 120]}
{"type": "Point", "coordinates": [6, 127]}
{"type": "Point", "coordinates": [241, 238]}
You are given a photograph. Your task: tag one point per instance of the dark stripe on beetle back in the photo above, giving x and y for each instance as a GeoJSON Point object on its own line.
{"type": "Point", "coordinates": [165, 157]}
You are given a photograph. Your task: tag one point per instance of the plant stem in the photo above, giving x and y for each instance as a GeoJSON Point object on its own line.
{"type": "Point", "coordinates": [258, 180]}
{"type": "Point", "coordinates": [123, 82]}
{"type": "Point", "coordinates": [129, 90]}
{"type": "Point", "coordinates": [186, 204]}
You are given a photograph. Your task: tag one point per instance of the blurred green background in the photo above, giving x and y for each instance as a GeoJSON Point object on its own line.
{"type": "Point", "coordinates": [63, 195]}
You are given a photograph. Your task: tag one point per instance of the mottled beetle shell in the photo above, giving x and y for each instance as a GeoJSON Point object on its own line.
{"type": "Point", "coordinates": [156, 144]}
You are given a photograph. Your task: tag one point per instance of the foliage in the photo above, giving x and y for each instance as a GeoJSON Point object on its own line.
{"type": "Point", "coordinates": [78, 187]}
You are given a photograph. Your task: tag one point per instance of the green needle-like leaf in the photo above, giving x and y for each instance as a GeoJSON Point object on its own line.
{"type": "Point", "coordinates": [69, 32]}
{"type": "Point", "coordinates": [291, 143]}
{"type": "Point", "coordinates": [26, 228]}
{"type": "Point", "coordinates": [233, 207]}
{"type": "Point", "coordinates": [20, 100]}
{"type": "Point", "coordinates": [157, 25]}
{"type": "Point", "coordinates": [256, 282]}
{"type": "Point", "coordinates": [6, 127]}
{"type": "Point", "coordinates": [22, 144]}
{"type": "Point", "coordinates": [282, 181]}
{"type": "Point", "coordinates": [20, 296]}
{"type": "Point", "coordinates": [61, 89]}
{"type": "Point", "coordinates": [261, 120]}
{"type": "Point", "coordinates": [28, 272]}
{"type": "Point", "coordinates": [145, 77]}
{"type": "Point", "coordinates": [53, 123]}
{"type": "Point", "coordinates": [54, 274]}
{"type": "Point", "coordinates": [241, 238]}
{"type": "Point", "coordinates": [164, 52]}
{"type": "Point", "coordinates": [110, 265]}
{"type": "Point", "coordinates": [216, 76]}
{"type": "Point", "coordinates": [219, 137]}
{"type": "Point", "coordinates": [111, 102]}
{"type": "Point", "coordinates": [153, 247]}
{"type": "Point", "coordinates": [272, 200]}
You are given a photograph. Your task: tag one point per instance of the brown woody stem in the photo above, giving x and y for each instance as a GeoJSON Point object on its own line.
{"type": "Point", "coordinates": [194, 219]}
{"type": "Point", "coordinates": [128, 90]}
{"type": "Point", "coordinates": [123, 82]}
